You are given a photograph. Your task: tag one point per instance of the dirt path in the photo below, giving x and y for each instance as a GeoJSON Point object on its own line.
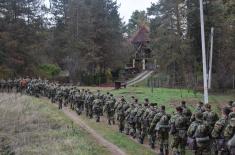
{"type": "Point", "coordinates": [111, 147]}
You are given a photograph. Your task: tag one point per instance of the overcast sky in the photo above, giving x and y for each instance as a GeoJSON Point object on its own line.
{"type": "Point", "coordinates": [129, 6]}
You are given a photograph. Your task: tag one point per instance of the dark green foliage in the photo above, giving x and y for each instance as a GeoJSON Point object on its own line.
{"type": "Point", "coordinates": [176, 40]}
{"type": "Point", "coordinates": [49, 70]}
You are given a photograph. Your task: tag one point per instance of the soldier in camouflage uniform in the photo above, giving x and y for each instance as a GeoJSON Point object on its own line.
{"type": "Point", "coordinates": [218, 133]}
{"type": "Point", "coordinates": [230, 105]}
{"type": "Point", "coordinates": [151, 133]}
{"type": "Point", "coordinates": [186, 111]}
{"type": "Point", "coordinates": [120, 109]}
{"type": "Point", "coordinates": [178, 130]}
{"type": "Point", "coordinates": [199, 132]}
{"type": "Point", "coordinates": [210, 117]}
{"type": "Point", "coordinates": [132, 118]}
{"type": "Point", "coordinates": [162, 130]}
{"type": "Point", "coordinates": [200, 108]}
{"type": "Point", "coordinates": [128, 121]}
{"type": "Point", "coordinates": [138, 116]}
{"type": "Point", "coordinates": [144, 122]}
{"type": "Point", "coordinates": [109, 109]}
{"type": "Point", "coordinates": [78, 102]}
{"type": "Point", "coordinates": [59, 98]}
{"type": "Point", "coordinates": [97, 108]}
{"type": "Point", "coordinates": [90, 105]}
{"type": "Point", "coordinates": [229, 132]}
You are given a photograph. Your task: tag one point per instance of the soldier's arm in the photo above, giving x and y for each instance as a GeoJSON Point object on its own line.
{"type": "Point", "coordinates": [228, 132]}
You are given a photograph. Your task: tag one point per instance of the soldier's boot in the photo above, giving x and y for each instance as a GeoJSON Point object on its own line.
{"type": "Point", "coordinates": [166, 152]}
{"type": "Point", "coordinates": [113, 121]}
{"type": "Point", "coordinates": [98, 119]}
{"type": "Point", "coordinates": [152, 145]}
{"type": "Point", "coordinates": [161, 151]}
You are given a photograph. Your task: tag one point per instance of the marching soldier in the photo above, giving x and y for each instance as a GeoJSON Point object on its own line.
{"type": "Point", "coordinates": [121, 113]}
{"type": "Point", "coordinates": [218, 133]}
{"type": "Point", "coordinates": [178, 130]}
{"type": "Point", "coordinates": [162, 130]}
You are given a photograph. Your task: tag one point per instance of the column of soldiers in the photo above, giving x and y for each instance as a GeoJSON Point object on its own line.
{"type": "Point", "coordinates": [201, 131]}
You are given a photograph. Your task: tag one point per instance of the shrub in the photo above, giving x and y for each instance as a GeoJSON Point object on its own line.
{"type": "Point", "coordinates": [49, 70]}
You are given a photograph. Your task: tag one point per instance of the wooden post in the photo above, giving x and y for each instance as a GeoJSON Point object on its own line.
{"type": "Point", "coordinates": [133, 63]}
{"type": "Point", "coordinates": [144, 67]}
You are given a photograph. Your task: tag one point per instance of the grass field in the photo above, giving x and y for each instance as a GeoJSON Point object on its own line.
{"type": "Point", "coordinates": [30, 126]}
{"type": "Point", "coordinates": [172, 97]}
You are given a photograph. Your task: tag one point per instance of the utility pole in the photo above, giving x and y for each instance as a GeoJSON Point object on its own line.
{"type": "Point", "coordinates": [203, 54]}
{"type": "Point", "coordinates": [211, 58]}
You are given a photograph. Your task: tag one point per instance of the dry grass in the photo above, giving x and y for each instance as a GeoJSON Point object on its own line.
{"type": "Point", "coordinates": [29, 126]}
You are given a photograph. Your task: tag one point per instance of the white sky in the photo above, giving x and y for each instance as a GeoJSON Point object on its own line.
{"type": "Point", "coordinates": [127, 7]}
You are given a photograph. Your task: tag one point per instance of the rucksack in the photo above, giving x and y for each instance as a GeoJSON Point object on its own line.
{"type": "Point", "coordinates": [180, 122]}
{"type": "Point", "coordinates": [231, 145]}
{"type": "Point", "coordinates": [202, 135]}
{"type": "Point", "coordinates": [201, 131]}
{"type": "Point", "coordinates": [211, 118]}
{"type": "Point", "coordinates": [164, 120]}
{"type": "Point", "coordinates": [163, 124]}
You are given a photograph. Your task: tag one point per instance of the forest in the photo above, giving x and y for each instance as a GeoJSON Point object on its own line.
{"type": "Point", "coordinates": [89, 40]}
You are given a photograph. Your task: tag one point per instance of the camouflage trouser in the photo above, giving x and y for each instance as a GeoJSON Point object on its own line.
{"type": "Point", "coordinates": [60, 104]}
{"type": "Point", "coordinates": [97, 112]}
{"type": "Point", "coordinates": [121, 122]}
{"type": "Point", "coordinates": [127, 127]}
{"type": "Point", "coordinates": [203, 149]}
{"type": "Point", "coordinates": [163, 140]}
{"type": "Point", "coordinates": [178, 145]}
{"type": "Point", "coordinates": [152, 139]}
{"type": "Point", "coordinates": [87, 109]}
{"type": "Point", "coordinates": [133, 129]}
{"type": "Point", "coordinates": [138, 129]}
{"type": "Point", "coordinates": [144, 132]}
{"type": "Point", "coordinates": [90, 111]}
{"type": "Point", "coordinates": [79, 108]}
{"type": "Point", "coordinates": [110, 117]}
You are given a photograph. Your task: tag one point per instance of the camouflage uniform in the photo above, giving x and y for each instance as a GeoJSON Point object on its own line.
{"type": "Point", "coordinates": [97, 108]}
{"type": "Point", "coordinates": [218, 134]}
{"type": "Point", "coordinates": [178, 130]}
{"type": "Point", "coordinates": [140, 112]}
{"type": "Point", "coordinates": [120, 108]}
{"type": "Point", "coordinates": [109, 109]}
{"type": "Point", "coordinates": [161, 126]}
{"type": "Point", "coordinates": [229, 132]}
{"type": "Point", "coordinates": [199, 109]}
{"type": "Point", "coordinates": [186, 111]}
{"type": "Point", "coordinates": [128, 121]}
{"type": "Point", "coordinates": [132, 120]}
{"type": "Point", "coordinates": [198, 136]}
{"type": "Point", "coordinates": [78, 103]}
{"type": "Point", "coordinates": [151, 133]}
{"type": "Point", "coordinates": [144, 123]}
{"type": "Point", "coordinates": [210, 117]}
{"type": "Point", "coordinates": [90, 105]}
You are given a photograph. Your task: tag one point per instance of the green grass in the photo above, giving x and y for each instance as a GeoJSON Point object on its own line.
{"type": "Point", "coordinates": [32, 126]}
{"type": "Point", "coordinates": [121, 140]}
{"type": "Point", "coordinates": [172, 97]}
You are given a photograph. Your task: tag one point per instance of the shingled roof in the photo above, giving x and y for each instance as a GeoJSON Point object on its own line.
{"type": "Point", "coordinates": [142, 35]}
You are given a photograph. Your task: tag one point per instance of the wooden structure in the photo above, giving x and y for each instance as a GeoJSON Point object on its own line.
{"type": "Point", "coordinates": [142, 60]}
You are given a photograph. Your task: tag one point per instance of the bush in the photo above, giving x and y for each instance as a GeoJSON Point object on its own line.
{"type": "Point", "coordinates": [49, 70]}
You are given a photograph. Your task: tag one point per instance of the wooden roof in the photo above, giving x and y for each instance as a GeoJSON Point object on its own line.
{"type": "Point", "coordinates": [142, 35]}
